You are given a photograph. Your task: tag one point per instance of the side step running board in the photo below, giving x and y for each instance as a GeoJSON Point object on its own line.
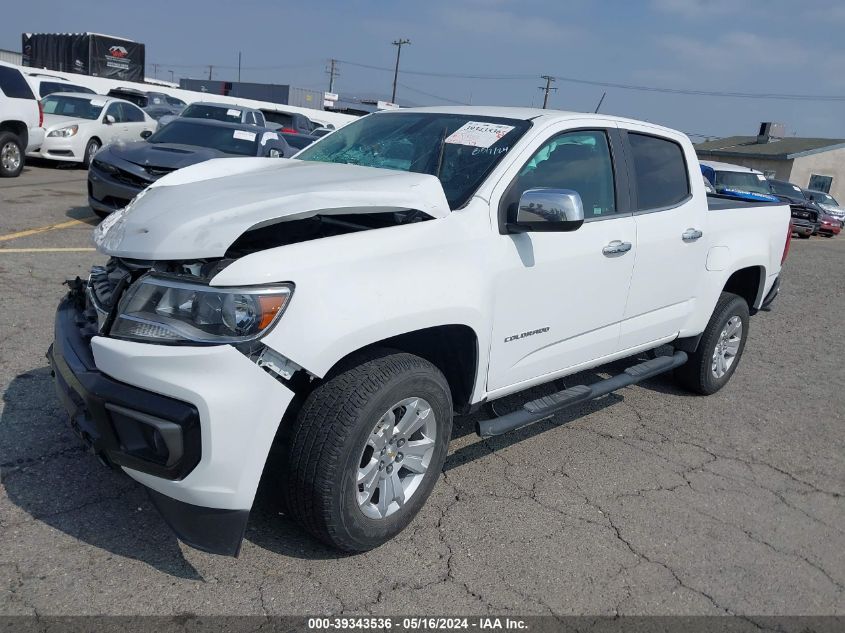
{"type": "Point", "coordinates": [546, 407]}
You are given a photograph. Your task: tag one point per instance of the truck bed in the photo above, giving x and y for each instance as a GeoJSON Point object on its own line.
{"type": "Point", "coordinates": [719, 202]}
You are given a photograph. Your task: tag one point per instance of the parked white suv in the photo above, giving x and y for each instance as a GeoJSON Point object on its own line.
{"type": "Point", "coordinates": [412, 264]}
{"type": "Point", "coordinates": [20, 120]}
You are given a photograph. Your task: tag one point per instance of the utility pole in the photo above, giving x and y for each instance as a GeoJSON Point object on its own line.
{"type": "Point", "coordinates": [332, 72]}
{"type": "Point", "coordinates": [547, 88]}
{"type": "Point", "coordinates": [155, 71]}
{"type": "Point", "coordinates": [171, 76]}
{"type": "Point", "coordinates": [209, 72]}
{"type": "Point", "coordinates": [239, 66]}
{"type": "Point", "coordinates": [398, 44]}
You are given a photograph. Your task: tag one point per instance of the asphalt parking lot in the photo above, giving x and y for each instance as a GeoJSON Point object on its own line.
{"type": "Point", "coordinates": [649, 501]}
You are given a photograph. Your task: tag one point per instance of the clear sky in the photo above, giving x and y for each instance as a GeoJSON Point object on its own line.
{"type": "Point", "coordinates": [751, 46]}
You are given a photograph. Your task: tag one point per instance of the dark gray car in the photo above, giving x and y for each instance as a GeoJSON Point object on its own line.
{"type": "Point", "coordinates": [120, 171]}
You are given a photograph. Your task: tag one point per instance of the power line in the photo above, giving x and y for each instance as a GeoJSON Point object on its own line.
{"type": "Point", "coordinates": [621, 86]}
{"type": "Point", "coordinates": [433, 96]}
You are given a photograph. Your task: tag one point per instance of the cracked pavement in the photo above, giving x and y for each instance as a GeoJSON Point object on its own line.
{"type": "Point", "coordinates": [647, 501]}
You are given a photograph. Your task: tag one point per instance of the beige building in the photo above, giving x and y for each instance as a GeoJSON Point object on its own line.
{"type": "Point", "coordinates": [810, 163]}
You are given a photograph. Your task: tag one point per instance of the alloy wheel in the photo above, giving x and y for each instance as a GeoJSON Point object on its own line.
{"type": "Point", "coordinates": [727, 347]}
{"type": "Point", "coordinates": [396, 457]}
{"type": "Point", "coordinates": [10, 156]}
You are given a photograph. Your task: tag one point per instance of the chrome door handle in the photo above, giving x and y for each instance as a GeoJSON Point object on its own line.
{"type": "Point", "coordinates": [690, 235]}
{"type": "Point", "coordinates": [616, 247]}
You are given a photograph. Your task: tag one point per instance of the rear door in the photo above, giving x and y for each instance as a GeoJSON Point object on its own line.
{"type": "Point", "coordinates": [135, 122]}
{"type": "Point", "coordinates": [560, 297]}
{"type": "Point", "coordinates": [671, 246]}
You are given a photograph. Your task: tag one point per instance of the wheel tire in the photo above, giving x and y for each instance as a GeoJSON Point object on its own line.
{"type": "Point", "coordinates": [91, 148]}
{"type": "Point", "coordinates": [803, 236]}
{"type": "Point", "coordinates": [330, 438]}
{"type": "Point", "coordinates": [698, 373]}
{"type": "Point", "coordinates": [11, 155]}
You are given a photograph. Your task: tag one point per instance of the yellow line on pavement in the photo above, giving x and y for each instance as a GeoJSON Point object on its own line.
{"type": "Point", "coordinates": [40, 229]}
{"type": "Point", "coordinates": [47, 250]}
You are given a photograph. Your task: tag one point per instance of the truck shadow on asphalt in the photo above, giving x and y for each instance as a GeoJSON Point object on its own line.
{"type": "Point", "coordinates": [48, 474]}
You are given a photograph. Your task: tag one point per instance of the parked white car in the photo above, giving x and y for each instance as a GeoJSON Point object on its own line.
{"type": "Point", "coordinates": [20, 120]}
{"type": "Point", "coordinates": [78, 125]}
{"type": "Point", "coordinates": [410, 265]}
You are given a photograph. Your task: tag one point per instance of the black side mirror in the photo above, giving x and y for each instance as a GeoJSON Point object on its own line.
{"type": "Point", "coordinates": [145, 134]}
{"type": "Point", "coordinates": [548, 210]}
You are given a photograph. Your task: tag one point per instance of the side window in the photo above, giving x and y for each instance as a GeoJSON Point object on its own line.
{"type": "Point", "coordinates": [132, 114]}
{"type": "Point", "coordinates": [116, 111]}
{"type": "Point", "coordinates": [13, 84]}
{"type": "Point", "coordinates": [660, 171]}
{"type": "Point", "coordinates": [249, 118]}
{"type": "Point", "coordinates": [574, 160]}
{"type": "Point", "coordinates": [259, 119]}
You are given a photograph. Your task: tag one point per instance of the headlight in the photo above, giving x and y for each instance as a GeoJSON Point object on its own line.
{"type": "Point", "coordinates": [104, 166]}
{"type": "Point", "coordinates": [64, 132]}
{"type": "Point", "coordinates": [166, 310]}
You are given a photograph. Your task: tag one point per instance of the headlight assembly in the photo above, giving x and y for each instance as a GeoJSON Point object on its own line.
{"type": "Point", "coordinates": [64, 132]}
{"type": "Point", "coordinates": [166, 310]}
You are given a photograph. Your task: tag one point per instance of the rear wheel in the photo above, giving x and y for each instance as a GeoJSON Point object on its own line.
{"type": "Point", "coordinates": [804, 236]}
{"type": "Point", "coordinates": [11, 155]}
{"type": "Point", "coordinates": [366, 450]}
{"type": "Point", "coordinates": [711, 366]}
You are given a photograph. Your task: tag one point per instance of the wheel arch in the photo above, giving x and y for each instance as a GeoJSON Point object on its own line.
{"type": "Point", "coordinates": [453, 349]}
{"type": "Point", "coordinates": [19, 129]}
{"type": "Point", "coordinates": [748, 283]}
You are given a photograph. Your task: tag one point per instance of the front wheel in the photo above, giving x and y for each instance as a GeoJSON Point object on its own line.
{"type": "Point", "coordinates": [711, 366]}
{"type": "Point", "coordinates": [91, 148]}
{"type": "Point", "coordinates": [367, 448]}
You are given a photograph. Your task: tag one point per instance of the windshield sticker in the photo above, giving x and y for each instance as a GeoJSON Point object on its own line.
{"type": "Point", "coordinates": [269, 136]}
{"type": "Point", "coordinates": [492, 151]}
{"type": "Point", "coordinates": [761, 177]}
{"type": "Point", "coordinates": [97, 103]}
{"type": "Point", "coordinates": [796, 187]}
{"type": "Point", "coordinates": [233, 112]}
{"type": "Point", "coordinates": [244, 135]}
{"type": "Point", "coordinates": [478, 134]}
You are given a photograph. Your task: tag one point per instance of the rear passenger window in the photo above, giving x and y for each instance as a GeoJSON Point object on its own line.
{"type": "Point", "coordinates": [132, 114]}
{"type": "Point", "coordinates": [575, 160]}
{"type": "Point", "coordinates": [13, 84]}
{"type": "Point", "coordinates": [660, 172]}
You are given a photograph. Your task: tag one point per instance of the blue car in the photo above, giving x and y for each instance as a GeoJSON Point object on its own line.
{"type": "Point", "coordinates": [738, 182]}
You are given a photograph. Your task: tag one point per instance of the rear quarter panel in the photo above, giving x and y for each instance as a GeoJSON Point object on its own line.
{"type": "Point", "coordinates": [739, 238]}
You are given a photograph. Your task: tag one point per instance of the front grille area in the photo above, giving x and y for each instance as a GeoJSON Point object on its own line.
{"type": "Point", "coordinates": [803, 213]}
{"type": "Point", "coordinates": [158, 172]}
{"type": "Point", "coordinates": [130, 179]}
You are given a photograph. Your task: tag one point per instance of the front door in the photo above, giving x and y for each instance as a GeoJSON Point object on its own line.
{"type": "Point", "coordinates": [560, 297]}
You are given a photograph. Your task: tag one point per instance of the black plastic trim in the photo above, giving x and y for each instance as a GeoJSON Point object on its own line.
{"type": "Point", "coordinates": [212, 530]}
{"type": "Point", "coordinates": [91, 399]}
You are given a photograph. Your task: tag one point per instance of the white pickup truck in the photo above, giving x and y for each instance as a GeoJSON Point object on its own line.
{"type": "Point", "coordinates": [343, 305]}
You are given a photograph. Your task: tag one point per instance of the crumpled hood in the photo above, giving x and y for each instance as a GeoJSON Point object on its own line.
{"type": "Point", "coordinates": [165, 155]}
{"type": "Point", "coordinates": [199, 211]}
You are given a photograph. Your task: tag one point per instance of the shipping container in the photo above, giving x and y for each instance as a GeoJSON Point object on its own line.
{"type": "Point", "coordinates": [85, 54]}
